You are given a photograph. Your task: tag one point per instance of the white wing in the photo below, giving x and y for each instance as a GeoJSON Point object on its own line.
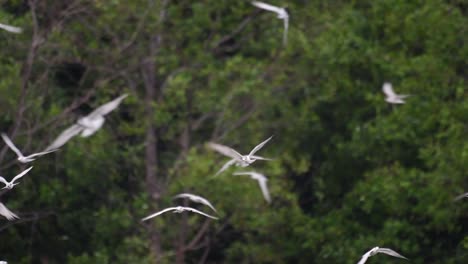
{"type": "Point", "coordinates": [268, 7]}
{"type": "Point", "coordinates": [285, 33]}
{"type": "Point", "coordinates": [364, 258]}
{"type": "Point", "coordinates": [108, 107]}
{"type": "Point", "coordinates": [459, 197]}
{"type": "Point", "coordinates": [11, 145]}
{"type": "Point", "coordinates": [21, 174]}
{"type": "Point", "coordinates": [259, 146]}
{"type": "Point", "coordinates": [64, 137]}
{"type": "Point", "coordinates": [259, 158]}
{"type": "Point", "coordinates": [7, 213]}
{"type": "Point", "coordinates": [225, 166]}
{"type": "Point", "coordinates": [390, 252]}
{"type": "Point", "coordinates": [388, 90]}
{"type": "Point", "coordinates": [226, 151]}
{"type": "Point", "coordinates": [11, 28]}
{"type": "Point", "coordinates": [264, 188]}
{"type": "Point", "coordinates": [41, 153]}
{"type": "Point", "coordinates": [196, 198]}
{"type": "Point", "coordinates": [158, 213]}
{"type": "Point", "coordinates": [199, 212]}
{"type": "Point", "coordinates": [3, 180]}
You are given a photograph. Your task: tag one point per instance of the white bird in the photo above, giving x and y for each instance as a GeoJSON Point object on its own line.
{"type": "Point", "coordinates": [280, 11]}
{"type": "Point", "coordinates": [11, 29]}
{"type": "Point", "coordinates": [376, 250]}
{"type": "Point", "coordinates": [3, 262]}
{"type": "Point", "coordinates": [461, 196]}
{"type": "Point", "coordinates": [94, 121]}
{"type": "Point", "coordinates": [262, 182]}
{"type": "Point", "coordinates": [65, 136]}
{"type": "Point", "coordinates": [7, 213]}
{"type": "Point", "coordinates": [196, 198]}
{"type": "Point", "coordinates": [236, 157]}
{"type": "Point", "coordinates": [392, 97]}
{"type": "Point", "coordinates": [21, 157]}
{"type": "Point", "coordinates": [177, 209]}
{"type": "Point", "coordinates": [11, 184]}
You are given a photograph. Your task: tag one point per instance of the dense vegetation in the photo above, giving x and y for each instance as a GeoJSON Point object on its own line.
{"type": "Point", "coordinates": [350, 172]}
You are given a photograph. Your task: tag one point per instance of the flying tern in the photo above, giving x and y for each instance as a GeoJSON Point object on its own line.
{"type": "Point", "coordinates": [461, 196]}
{"type": "Point", "coordinates": [196, 198]}
{"type": "Point", "coordinates": [376, 250]}
{"type": "Point", "coordinates": [11, 184]}
{"type": "Point", "coordinates": [11, 29]}
{"type": "Point", "coordinates": [262, 182]}
{"type": "Point", "coordinates": [280, 11]}
{"type": "Point", "coordinates": [7, 213]}
{"type": "Point", "coordinates": [391, 96]}
{"type": "Point", "coordinates": [21, 157]}
{"type": "Point", "coordinates": [94, 121]}
{"type": "Point", "coordinates": [177, 209]}
{"type": "Point", "coordinates": [236, 157]}
{"type": "Point", "coordinates": [65, 136]}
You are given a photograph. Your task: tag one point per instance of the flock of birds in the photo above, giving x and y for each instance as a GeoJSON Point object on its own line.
{"type": "Point", "coordinates": [90, 124]}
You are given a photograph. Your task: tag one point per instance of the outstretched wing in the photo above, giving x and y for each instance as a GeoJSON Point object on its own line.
{"type": "Point", "coordinates": [461, 196]}
{"type": "Point", "coordinates": [196, 198]}
{"type": "Point", "coordinates": [268, 7]}
{"type": "Point", "coordinates": [21, 174]}
{"type": "Point", "coordinates": [364, 258]}
{"type": "Point", "coordinates": [11, 28]}
{"type": "Point", "coordinates": [158, 213]}
{"type": "Point", "coordinates": [225, 166]}
{"type": "Point", "coordinates": [42, 153]}
{"type": "Point", "coordinates": [2, 180]}
{"type": "Point", "coordinates": [285, 33]}
{"type": "Point", "coordinates": [11, 145]}
{"type": "Point", "coordinates": [390, 252]}
{"type": "Point", "coordinates": [226, 151]}
{"type": "Point", "coordinates": [7, 213]}
{"type": "Point", "coordinates": [259, 146]}
{"type": "Point", "coordinates": [388, 90]}
{"type": "Point", "coordinates": [199, 212]}
{"type": "Point", "coordinates": [263, 186]}
{"type": "Point", "coordinates": [64, 137]}
{"type": "Point", "coordinates": [108, 107]}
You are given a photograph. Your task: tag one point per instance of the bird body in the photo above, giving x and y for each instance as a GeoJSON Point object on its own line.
{"type": "Point", "coordinates": [376, 250]}
{"type": "Point", "coordinates": [196, 198]}
{"type": "Point", "coordinates": [9, 185]}
{"type": "Point", "coordinates": [236, 157]}
{"type": "Point", "coordinates": [177, 209]}
{"type": "Point", "coordinates": [281, 13]}
{"type": "Point", "coordinates": [391, 96]}
{"type": "Point", "coordinates": [7, 213]}
{"type": "Point", "coordinates": [21, 157]}
{"type": "Point", "coordinates": [262, 182]}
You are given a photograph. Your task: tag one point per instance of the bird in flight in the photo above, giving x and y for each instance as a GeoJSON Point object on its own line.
{"type": "Point", "coordinates": [21, 157]}
{"type": "Point", "coordinates": [461, 196]}
{"type": "Point", "coordinates": [11, 184]}
{"type": "Point", "coordinates": [94, 121]}
{"type": "Point", "coordinates": [280, 11]}
{"type": "Point", "coordinates": [65, 136]}
{"type": "Point", "coordinates": [391, 96]}
{"type": "Point", "coordinates": [11, 29]}
{"type": "Point", "coordinates": [376, 250]}
{"type": "Point", "coordinates": [262, 182]}
{"type": "Point", "coordinates": [196, 198]}
{"type": "Point", "coordinates": [236, 157]}
{"type": "Point", "coordinates": [7, 213]}
{"type": "Point", "coordinates": [178, 209]}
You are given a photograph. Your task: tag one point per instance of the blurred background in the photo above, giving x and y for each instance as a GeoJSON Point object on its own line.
{"type": "Point", "coordinates": [350, 172]}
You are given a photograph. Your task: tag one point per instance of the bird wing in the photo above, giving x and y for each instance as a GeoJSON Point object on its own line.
{"type": "Point", "coordinates": [11, 145]}
{"type": "Point", "coordinates": [21, 174]}
{"type": "Point", "coordinates": [199, 212]}
{"type": "Point", "coordinates": [41, 153]}
{"type": "Point", "coordinates": [461, 196]}
{"type": "Point", "coordinates": [7, 213]}
{"type": "Point", "coordinates": [225, 166]}
{"type": "Point", "coordinates": [259, 146]}
{"type": "Point", "coordinates": [364, 258]}
{"type": "Point", "coordinates": [196, 198]}
{"type": "Point", "coordinates": [285, 33]}
{"type": "Point", "coordinates": [108, 107]}
{"type": "Point", "coordinates": [226, 151]}
{"type": "Point", "coordinates": [259, 158]}
{"type": "Point", "coordinates": [11, 28]}
{"type": "Point", "coordinates": [263, 186]}
{"type": "Point", "coordinates": [388, 90]}
{"type": "Point", "coordinates": [158, 213]}
{"type": "Point", "coordinates": [268, 7]}
{"type": "Point", "coordinates": [390, 252]}
{"type": "Point", "coordinates": [64, 137]}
